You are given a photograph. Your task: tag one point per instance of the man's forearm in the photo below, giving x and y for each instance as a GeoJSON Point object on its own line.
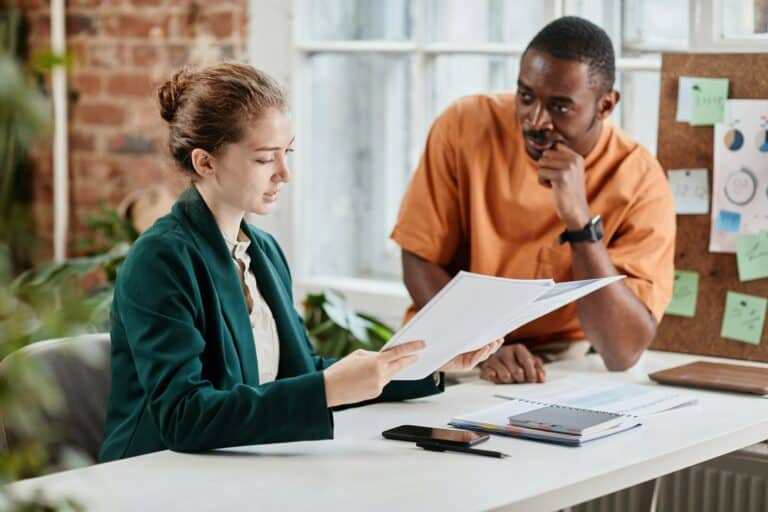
{"type": "Point", "coordinates": [423, 278]}
{"type": "Point", "coordinates": [614, 319]}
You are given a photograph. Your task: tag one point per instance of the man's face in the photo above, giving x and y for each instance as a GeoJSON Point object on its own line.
{"type": "Point", "coordinates": [559, 102]}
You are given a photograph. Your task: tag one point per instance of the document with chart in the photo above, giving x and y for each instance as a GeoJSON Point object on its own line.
{"type": "Point", "coordinates": [475, 309]}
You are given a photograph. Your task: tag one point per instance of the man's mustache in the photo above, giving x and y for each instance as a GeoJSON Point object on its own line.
{"type": "Point", "coordinates": [541, 137]}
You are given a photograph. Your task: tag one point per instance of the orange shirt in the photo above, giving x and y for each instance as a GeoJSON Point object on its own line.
{"type": "Point", "coordinates": [474, 203]}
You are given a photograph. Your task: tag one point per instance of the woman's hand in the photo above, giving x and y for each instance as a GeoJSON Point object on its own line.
{"type": "Point", "coordinates": [363, 374]}
{"type": "Point", "coordinates": [469, 360]}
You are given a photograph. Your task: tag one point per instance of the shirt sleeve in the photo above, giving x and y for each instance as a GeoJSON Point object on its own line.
{"type": "Point", "coordinates": [643, 247]}
{"type": "Point", "coordinates": [429, 224]}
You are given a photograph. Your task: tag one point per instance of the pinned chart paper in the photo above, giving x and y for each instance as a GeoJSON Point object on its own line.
{"type": "Point", "coordinates": [744, 317]}
{"type": "Point", "coordinates": [739, 174]}
{"type": "Point", "coordinates": [752, 256]}
{"type": "Point", "coordinates": [700, 101]}
{"type": "Point", "coordinates": [690, 188]}
{"type": "Point", "coordinates": [684, 295]}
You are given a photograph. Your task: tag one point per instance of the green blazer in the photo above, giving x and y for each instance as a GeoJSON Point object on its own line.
{"type": "Point", "coordinates": [184, 369]}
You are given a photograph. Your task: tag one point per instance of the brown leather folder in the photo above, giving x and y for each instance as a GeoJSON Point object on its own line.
{"type": "Point", "coordinates": [730, 377]}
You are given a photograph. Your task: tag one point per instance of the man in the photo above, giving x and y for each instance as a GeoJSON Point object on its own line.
{"type": "Point", "coordinates": [512, 185]}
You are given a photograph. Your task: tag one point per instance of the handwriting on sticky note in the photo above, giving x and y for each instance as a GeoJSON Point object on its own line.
{"type": "Point", "coordinates": [684, 294]}
{"type": "Point", "coordinates": [708, 101]}
{"type": "Point", "coordinates": [744, 317]}
{"type": "Point", "coordinates": [752, 256]}
{"type": "Point", "coordinates": [728, 221]}
{"type": "Point", "coordinates": [690, 188]}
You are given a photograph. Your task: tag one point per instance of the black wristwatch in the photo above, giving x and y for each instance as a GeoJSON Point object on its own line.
{"type": "Point", "coordinates": [592, 232]}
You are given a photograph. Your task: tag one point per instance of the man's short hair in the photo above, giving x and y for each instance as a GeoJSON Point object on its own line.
{"type": "Point", "coordinates": [574, 38]}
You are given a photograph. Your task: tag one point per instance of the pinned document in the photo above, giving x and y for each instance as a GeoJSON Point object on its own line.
{"type": "Point", "coordinates": [744, 317]}
{"type": "Point", "coordinates": [739, 174]}
{"type": "Point", "coordinates": [690, 188]}
{"type": "Point", "coordinates": [752, 256]}
{"type": "Point", "coordinates": [684, 294]}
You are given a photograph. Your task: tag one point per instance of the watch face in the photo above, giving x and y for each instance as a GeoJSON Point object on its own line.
{"type": "Point", "coordinates": [597, 229]}
{"type": "Point", "coordinates": [592, 232]}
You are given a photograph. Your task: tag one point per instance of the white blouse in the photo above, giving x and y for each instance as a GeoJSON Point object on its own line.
{"type": "Point", "coordinates": [262, 321]}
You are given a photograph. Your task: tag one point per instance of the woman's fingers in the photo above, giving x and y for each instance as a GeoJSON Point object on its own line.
{"type": "Point", "coordinates": [398, 364]}
{"type": "Point", "coordinates": [402, 350]}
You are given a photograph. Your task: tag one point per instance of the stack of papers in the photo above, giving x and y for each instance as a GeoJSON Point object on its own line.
{"type": "Point", "coordinates": [474, 309]}
{"type": "Point", "coordinates": [561, 411]}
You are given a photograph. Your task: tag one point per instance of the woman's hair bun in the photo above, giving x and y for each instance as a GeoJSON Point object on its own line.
{"type": "Point", "coordinates": [171, 93]}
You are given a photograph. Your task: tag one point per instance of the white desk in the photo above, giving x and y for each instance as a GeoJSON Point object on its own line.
{"type": "Point", "coordinates": [361, 471]}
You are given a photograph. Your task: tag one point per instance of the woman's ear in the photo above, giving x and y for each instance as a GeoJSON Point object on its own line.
{"type": "Point", "coordinates": [203, 163]}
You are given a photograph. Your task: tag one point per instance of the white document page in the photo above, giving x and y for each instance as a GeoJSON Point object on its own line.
{"type": "Point", "coordinates": [462, 317]}
{"type": "Point", "coordinates": [475, 309]}
{"type": "Point", "coordinates": [557, 297]}
{"type": "Point", "coordinates": [603, 395]}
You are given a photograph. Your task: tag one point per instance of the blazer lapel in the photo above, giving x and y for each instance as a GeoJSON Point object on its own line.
{"type": "Point", "coordinates": [194, 213]}
{"type": "Point", "coordinates": [295, 358]}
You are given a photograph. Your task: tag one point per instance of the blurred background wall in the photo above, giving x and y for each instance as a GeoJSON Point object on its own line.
{"type": "Point", "coordinates": [122, 50]}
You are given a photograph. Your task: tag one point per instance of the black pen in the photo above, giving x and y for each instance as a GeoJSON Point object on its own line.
{"type": "Point", "coordinates": [438, 447]}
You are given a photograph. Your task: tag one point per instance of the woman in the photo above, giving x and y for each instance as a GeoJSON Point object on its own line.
{"type": "Point", "coordinates": [207, 349]}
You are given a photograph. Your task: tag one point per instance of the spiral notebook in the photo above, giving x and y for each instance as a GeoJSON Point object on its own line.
{"type": "Point", "coordinates": [568, 420]}
{"type": "Point", "coordinates": [542, 421]}
{"type": "Point", "coordinates": [573, 410]}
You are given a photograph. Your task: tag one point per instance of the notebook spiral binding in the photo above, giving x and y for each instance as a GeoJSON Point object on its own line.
{"type": "Point", "coordinates": [570, 407]}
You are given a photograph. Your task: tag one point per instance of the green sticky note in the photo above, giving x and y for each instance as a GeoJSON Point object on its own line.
{"type": "Point", "coordinates": [708, 97]}
{"type": "Point", "coordinates": [744, 317]}
{"type": "Point", "coordinates": [752, 256]}
{"type": "Point", "coordinates": [684, 294]}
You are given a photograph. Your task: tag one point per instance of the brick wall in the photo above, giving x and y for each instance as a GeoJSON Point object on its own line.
{"type": "Point", "coordinates": [123, 49]}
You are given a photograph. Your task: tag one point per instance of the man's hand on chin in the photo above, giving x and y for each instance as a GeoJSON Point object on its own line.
{"type": "Point", "coordinates": [562, 170]}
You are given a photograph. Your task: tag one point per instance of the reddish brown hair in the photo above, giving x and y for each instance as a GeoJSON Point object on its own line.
{"type": "Point", "coordinates": [209, 107]}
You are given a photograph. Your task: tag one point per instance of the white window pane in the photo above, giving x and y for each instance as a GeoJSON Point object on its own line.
{"type": "Point", "coordinates": [484, 21]}
{"type": "Point", "coordinates": [603, 13]}
{"type": "Point", "coordinates": [639, 112]}
{"type": "Point", "coordinates": [593, 10]}
{"type": "Point", "coordinates": [659, 24]}
{"type": "Point", "coordinates": [354, 19]}
{"type": "Point", "coordinates": [744, 18]}
{"type": "Point", "coordinates": [356, 160]}
{"type": "Point", "coordinates": [459, 75]}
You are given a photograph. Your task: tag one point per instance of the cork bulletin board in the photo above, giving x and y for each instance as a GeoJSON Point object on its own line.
{"type": "Point", "coordinates": [683, 146]}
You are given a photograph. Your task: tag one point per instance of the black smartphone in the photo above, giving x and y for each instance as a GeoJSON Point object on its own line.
{"type": "Point", "coordinates": [448, 436]}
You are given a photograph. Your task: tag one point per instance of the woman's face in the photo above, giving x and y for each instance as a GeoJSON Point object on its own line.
{"type": "Point", "coordinates": [250, 173]}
